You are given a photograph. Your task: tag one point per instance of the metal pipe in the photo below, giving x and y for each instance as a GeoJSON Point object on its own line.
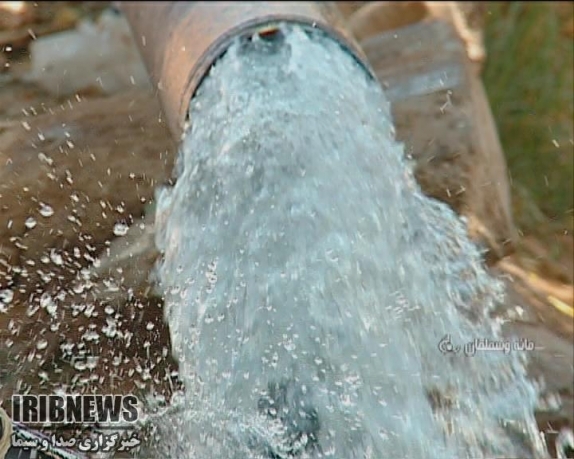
{"type": "Point", "coordinates": [180, 41]}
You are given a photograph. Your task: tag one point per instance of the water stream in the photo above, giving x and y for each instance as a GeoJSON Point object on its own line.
{"type": "Point", "coordinates": [308, 281]}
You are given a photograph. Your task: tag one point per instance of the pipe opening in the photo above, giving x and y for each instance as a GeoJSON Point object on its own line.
{"type": "Point", "coordinates": [204, 31]}
{"type": "Point", "coordinates": [270, 33]}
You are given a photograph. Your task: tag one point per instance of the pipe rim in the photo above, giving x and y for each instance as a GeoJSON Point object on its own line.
{"type": "Point", "coordinates": [219, 47]}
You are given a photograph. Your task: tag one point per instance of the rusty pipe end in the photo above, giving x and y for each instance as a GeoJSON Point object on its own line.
{"type": "Point", "coordinates": [180, 41]}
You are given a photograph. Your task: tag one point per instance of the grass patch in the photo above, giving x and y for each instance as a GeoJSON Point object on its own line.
{"type": "Point", "coordinates": [529, 80]}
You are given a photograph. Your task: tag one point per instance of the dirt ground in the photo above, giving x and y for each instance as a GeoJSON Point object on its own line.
{"type": "Point", "coordinates": [538, 279]}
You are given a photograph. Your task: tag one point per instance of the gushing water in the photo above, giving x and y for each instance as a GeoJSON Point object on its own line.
{"type": "Point", "coordinates": [308, 281]}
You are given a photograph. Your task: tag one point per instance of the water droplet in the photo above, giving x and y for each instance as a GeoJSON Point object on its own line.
{"type": "Point", "coordinates": [45, 159]}
{"type": "Point", "coordinates": [42, 344]}
{"type": "Point", "coordinates": [30, 223]}
{"type": "Point", "coordinates": [90, 335]}
{"type": "Point", "coordinates": [51, 307]}
{"type": "Point", "coordinates": [56, 258]}
{"type": "Point", "coordinates": [111, 285]}
{"type": "Point", "coordinates": [46, 210]}
{"type": "Point", "coordinates": [6, 296]}
{"type": "Point", "coordinates": [120, 229]}
{"type": "Point", "coordinates": [150, 326]}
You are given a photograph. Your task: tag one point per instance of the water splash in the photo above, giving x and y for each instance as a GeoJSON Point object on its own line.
{"type": "Point", "coordinates": [308, 281]}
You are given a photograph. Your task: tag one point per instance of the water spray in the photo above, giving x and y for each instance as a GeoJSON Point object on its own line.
{"type": "Point", "coordinates": [179, 42]}
{"type": "Point", "coordinates": [306, 278]}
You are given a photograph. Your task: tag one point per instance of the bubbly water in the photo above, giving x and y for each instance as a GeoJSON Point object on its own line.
{"type": "Point", "coordinates": [308, 281]}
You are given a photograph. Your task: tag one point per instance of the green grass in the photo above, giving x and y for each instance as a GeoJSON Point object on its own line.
{"type": "Point", "coordinates": [529, 81]}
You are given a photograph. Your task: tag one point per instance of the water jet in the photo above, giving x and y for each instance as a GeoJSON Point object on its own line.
{"type": "Point", "coordinates": [307, 280]}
